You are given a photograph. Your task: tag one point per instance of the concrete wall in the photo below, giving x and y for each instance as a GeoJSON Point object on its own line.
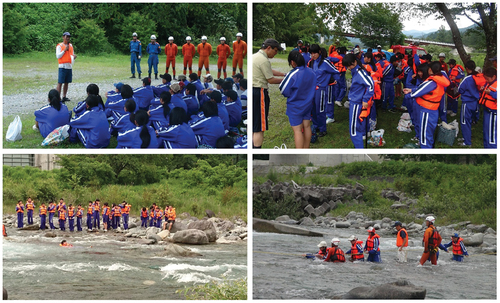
{"type": "Point", "coordinates": [46, 162]}
{"type": "Point", "coordinates": [319, 160]}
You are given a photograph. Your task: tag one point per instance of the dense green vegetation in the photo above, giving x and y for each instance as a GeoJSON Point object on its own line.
{"type": "Point", "coordinates": [107, 27]}
{"type": "Point", "coordinates": [453, 192]}
{"type": "Point", "coordinates": [192, 183]}
{"type": "Point", "coordinates": [225, 290]}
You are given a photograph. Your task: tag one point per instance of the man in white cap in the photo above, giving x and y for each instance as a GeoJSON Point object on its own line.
{"type": "Point", "coordinates": [401, 242]}
{"type": "Point", "coordinates": [321, 254]}
{"type": "Point", "coordinates": [204, 51]}
{"type": "Point", "coordinates": [188, 54]}
{"type": "Point", "coordinates": [153, 50]}
{"type": "Point", "coordinates": [66, 57]}
{"type": "Point", "coordinates": [135, 55]}
{"type": "Point", "coordinates": [239, 52]}
{"type": "Point", "coordinates": [223, 51]}
{"type": "Point", "coordinates": [171, 51]}
{"type": "Point", "coordinates": [432, 239]}
{"type": "Point", "coordinates": [444, 66]}
{"type": "Point", "coordinates": [335, 254]}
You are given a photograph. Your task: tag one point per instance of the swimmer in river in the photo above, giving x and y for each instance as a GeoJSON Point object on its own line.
{"type": "Point", "coordinates": [321, 254]}
{"type": "Point", "coordinates": [65, 244]}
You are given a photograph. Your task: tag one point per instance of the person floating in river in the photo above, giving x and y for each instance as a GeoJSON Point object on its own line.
{"type": "Point", "coordinates": [321, 254]}
{"type": "Point", "coordinates": [459, 250]}
{"type": "Point", "coordinates": [65, 243]}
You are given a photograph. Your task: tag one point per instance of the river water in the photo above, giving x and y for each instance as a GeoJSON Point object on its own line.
{"type": "Point", "coordinates": [279, 271]}
{"type": "Point", "coordinates": [100, 267]}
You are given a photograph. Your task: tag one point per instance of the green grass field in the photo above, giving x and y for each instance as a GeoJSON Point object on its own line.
{"type": "Point", "coordinates": [338, 133]}
{"type": "Point", "coordinates": [40, 71]}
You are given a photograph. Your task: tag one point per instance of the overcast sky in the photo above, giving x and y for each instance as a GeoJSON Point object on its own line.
{"type": "Point", "coordinates": [430, 23]}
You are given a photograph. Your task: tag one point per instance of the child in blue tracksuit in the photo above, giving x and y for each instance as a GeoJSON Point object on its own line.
{"type": "Point", "coordinates": [178, 134]}
{"type": "Point", "coordinates": [20, 213]}
{"type": "Point", "coordinates": [144, 95]}
{"type": "Point", "coordinates": [299, 87]}
{"type": "Point", "coordinates": [194, 79]}
{"type": "Point", "coordinates": [361, 91]}
{"type": "Point", "coordinates": [51, 116]}
{"type": "Point", "coordinates": [153, 49]}
{"type": "Point", "coordinates": [488, 99]}
{"type": "Point", "coordinates": [192, 103]}
{"type": "Point", "coordinates": [234, 108]}
{"type": "Point", "coordinates": [142, 136]}
{"type": "Point", "coordinates": [459, 250]}
{"type": "Point", "coordinates": [115, 104]}
{"type": "Point", "coordinates": [442, 105]}
{"type": "Point", "coordinates": [158, 116]}
{"type": "Point", "coordinates": [79, 217]}
{"type": "Point", "coordinates": [144, 217]}
{"type": "Point", "coordinates": [164, 87]}
{"type": "Point", "coordinates": [221, 108]}
{"type": "Point", "coordinates": [323, 70]}
{"type": "Point", "coordinates": [91, 128]}
{"type": "Point", "coordinates": [123, 123]}
{"type": "Point", "coordinates": [210, 128]}
{"type": "Point", "coordinates": [470, 96]}
{"type": "Point", "coordinates": [51, 210]}
{"type": "Point", "coordinates": [93, 89]}
{"type": "Point", "coordinates": [388, 84]}
{"type": "Point", "coordinates": [176, 100]}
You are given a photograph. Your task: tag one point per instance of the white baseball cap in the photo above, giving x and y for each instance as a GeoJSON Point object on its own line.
{"type": "Point", "coordinates": [442, 55]}
{"type": "Point", "coordinates": [239, 35]}
{"type": "Point", "coordinates": [170, 38]}
{"type": "Point", "coordinates": [322, 244]}
{"type": "Point", "coordinates": [203, 37]}
{"type": "Point", "coordinates": [188, 38]}
{"type": "Point", "coordinates": [351, 238]}
{"type": "Point", "coordinates": [153, 37]}
{"type": "Point", "coordinates": [222, 39]}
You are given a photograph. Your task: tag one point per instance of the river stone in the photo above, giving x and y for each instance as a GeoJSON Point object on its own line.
{"type": "Point", "coordinates": [282, 218]}
{"type": "Point", "coordinates": [490, 231]}
{"type": "Point", "coordinates": [50, 234]}
{"type": "Point", "coordinates": [153, 237]}
{"type": "Point", "coordinates": [147, 241]}
{"type": "Point", "coordinates": [129, 234]}
{"type": "Point", "coordinates": [163, 234]}
{"type": "Point", "coordinates": [191, 236]}
{"type": "Point", "coordinates": [398, 206]}
{"type": "Point", "coordinates": [243, 235]}
{"type": "Point", "coordinates": [178, 226]}
{"type": "Point", "coordinates": [149, 282]}
{"type": "Point", "coordinates": [174, 250]}
{"type": "Point", "coordinates": [227, 240]}
{"type": "Point", "coordinates": [399, 290]}
{"type": "Point", "coordinates": [30, 227]}
{"type": "Point", "coordinates": [376, 226]}
{"type": "Point", "coordinates": [266, 226]}
{"type": "Point", "coordinates": [206, 226]}
{"type": "Point", "coordinates": [306, 221]}
{"type": "Point", "coordinates": [477, 228]}
{"type": "Point", "coordinates": [309, 209]}
{"type": "Point", "coordinates": [474, 240]}
{"type": "Point", "coordinates": [345, 224]}
{"type": "Point", "coordinates": [210, 213]}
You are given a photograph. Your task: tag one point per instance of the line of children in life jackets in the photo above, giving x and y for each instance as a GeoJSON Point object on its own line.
{"type": "Point", "coordinates": [155, 216]}
{"type": "Point", "coordinates": [171, 115]}
{"type": "Point", "coordinates": [432, 242]}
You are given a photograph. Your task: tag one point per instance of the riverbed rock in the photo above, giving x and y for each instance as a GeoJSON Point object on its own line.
{"type": "Point", "coordinates": [30, 227]}
{"type": "Point", "coordinates": [163, 234]}
{"type": "Point", "coordinates": [398, 206]}
{"type": "Point", "coordinates": [477, 228]}
{"type": "Point", "coordinates": [228, 240]}
{"type": "Point", "coordinates": [474, 240]}
{"type": "Point", "coordinates": [147, 241]}
{"type": "Point", "coordinates": [260, 225]}
{"type": "Point", "coordinates": [243, 235]}
{"type": "Point", "coordinates": [209, 213]}
{"type": "Point", "coordinates": [153, 237]}
{"type": "Point", "coordinates": [132, 225]}
{"type": "Point", "coordinates": [490, 231]}
{"type": "Point", "coordinates": [376, 226]}
{"type": "Point", "coordinates": [191, 236]}
{"type": "Point", "coordinates": [206, 226]}
{"type": "Point", "coordinates": [50, 234]}
{"type": "Point", "coordinates": [174, 250]}
{"type": "Point", "coordinates": [398, 290]}
{"type": "Point", "coordinates": [306, 221]}
{"type": "Point", "coordinates": [282, 218]}
{"type": "Point", "coordinates": [345, 224]}
{"type": "Point", "coordinates": [178, 226]}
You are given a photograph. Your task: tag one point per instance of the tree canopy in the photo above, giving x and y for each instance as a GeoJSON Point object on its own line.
{"type": "Point", "coordinates": [105, 27]}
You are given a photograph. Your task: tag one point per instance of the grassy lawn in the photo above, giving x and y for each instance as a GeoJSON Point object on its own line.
{"type": "Point", "coordinates": [338, 133]}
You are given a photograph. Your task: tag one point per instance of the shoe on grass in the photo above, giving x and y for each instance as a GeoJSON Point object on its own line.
{"type": "Point", "coordinates": [330, 120]}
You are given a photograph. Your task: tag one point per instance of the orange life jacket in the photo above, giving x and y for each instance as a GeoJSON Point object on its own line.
{"type": "Point", "coordinates": [486, 99]}
{"type": "Point", "coordinates": [144, 213]}
{"type": "Point", "coordinates": [404, 65]}
{"type": "Point", "coordinates": [369, 242]}
{"type": "Point", "coordinates": [152, 213]}
{"type": "Point", "coordinates": [30, 206]}
{"type": "Point", "coordinates": [71, 211]}
{"type": "Point", "coordinates": [62, 215]}
{"type": "Point", "coordinates": [97, 206]}
{"type": "Point", "coordinates": [19, 209]}
{"type": "Point", "coordinates": [66, 57]}
{"type": "Point", "coordinates": [60, 206]}
{"type": "Point", "coordinates": [43, 210]}
{"type": "Point", "coordinates": [117, 212]}
{"type": "Point", "coordinates": [454, 72]}
{"type": "Point", "coordinates": [400, 240]}
{"type": "Point", "coordinates": [171, 50]}
{"type": "Point", "coordinates": [444, 66]}
{"type": "Point", "coordinates": [126, 209]}
{"type": "Point", "coordinates": [480, 81]}
{"type": "Point", "coordinates": [457, 248]}
{"type": "Point", "coordinates": [338, 65]}
{"type": "Point", "coordinates": [336, 254]}
{"type": "Point", "coordinates": [52, 210]}
{"type": "Point", "coordinates": [105, 210]}
{"type": "Point", "coordinates": [432, 100]}
{"type": "Point", "coordinates": [90, 210]}
{"type": "Point", "coordinates": [4, 231]}
{"type": "Point", "coordinates": [171, 214]}
{"type": "Point", "coordinates": [79, 212]}
{"type": "Point", "coordinates": [434, 239]}
{"type": "Point", "coordinates": [159, 214]}
{"type": "Point", "coordinates": [355, 254]}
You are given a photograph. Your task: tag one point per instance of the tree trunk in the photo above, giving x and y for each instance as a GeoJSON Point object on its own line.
{"type": "Point", "coordinates": [457, 39]}
{"type": "Point", "coordinates": [490, 31]}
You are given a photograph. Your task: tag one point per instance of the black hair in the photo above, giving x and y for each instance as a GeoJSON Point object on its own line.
{"type": "Point", "coordinates": [314, 49]}
{"type": "Point", "coordinates": [348, 60]}
{"type": "Point", "coordinates": [142, 119]}
{"type": "Point", "coordinates": [105, 203]}
{"type": "Point", "coordinates": [226, 85]}
{"type": "Point", "coordinates": [178, 116]}
{"type": "Point", "coordinates": [146, 81]}
{"type": "Point", "coordinates": [127, 92]}
{"type": "Point", "coordinates": [424, 68]}
{"type": "Point", "coordinates": [243, 83]}
{"type": "Point", "coordinates": [393, 59]}
{"type": "Point", "coordinates": [369, 55]}
{"type": "Point", "coordinates": [342, 50]}
{"type": "Point", "coordinates": [399, 55]}
{"type": "Point", "coordinates": [210, 109]}
{"type": "Point", "coordinates": [166, 97]}
{"type": "Point", "coordinates": [193, 76]}
{"type": "Point", "coordinates": [369, 50]}
{"type": "Point", "coordinates": [224, 142]}
{"type": "Point", "coordinates": [144, 208]}
{"type": "Point", "coordinates": [472, 66]}
{"type": "Point", "coordinates": [304, 49]}
{"type": "Point", "coordinates": [93, 89]}
{"type": "Point", "coordinates": [130, 106]}
{"type": "Point", "coordinates": [55, 99]}
{"type": "Point", "coordinates": [490, 72]}
{"type": "Point", "coordinates": [169, 77]}
{"type": "Point", "coordinates": [191, 88]}
{"type": "Point", "coordinates": [377, 55]}
{"type": "Point", "coordinates": [296, 57]}
{"type": "Point", "coordinates": [410, 61]}
{"type": "Point", "coordinates": [435, 66]}
{"type": "Point", "coordinates": [93, 101]}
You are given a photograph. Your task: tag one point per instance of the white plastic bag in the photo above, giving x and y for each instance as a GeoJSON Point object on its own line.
{"type": "Point", "coordinates": [14, 130]}
{"type": "Point", "coordinates": [377, 138]}
{"type": "Point", "coordinates": [57, 136]}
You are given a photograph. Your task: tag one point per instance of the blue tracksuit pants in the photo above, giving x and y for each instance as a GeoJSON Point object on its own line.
{"type": "Point", "coordinates": [442, 109]}
{"type": "Point", "coordinates": [134, 61]}
{"type": "Point", "coordinates": [30, 217]}
{"type": "Point", "coordinates": [489, 128]}
{"type": "Point", "coordinates": [97, 220]}
{"type": "Point", "coordinates": [153, 62]}
{"type": "Point", "coordinates": [428, 123]}
{"type": "Point", "coordinates": [357, 129]}
{"type": "Point", "coordinates": [388, 95]}
{"type": "Point", "coordinates": [332, 97]}
{"type": "Point", "coordinates": [42, 221]}
{"type": "Point", "coordinates": [319, 109]}
{"type": "Point", "coordinates": [466, 116]}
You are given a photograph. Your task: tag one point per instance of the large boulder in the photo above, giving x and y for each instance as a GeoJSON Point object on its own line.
{"type": "Point", "coordinates": [163, 234]}
{"type": "Point", "coordinates": [306, 221]}
{"type": "Point", "coordinates": [399, 290]}
{"type": "Point", "coordinates": [260, 225]}
{"type": "Point", "coordinates": [178, 226]}
{"type": "Point", "coordinates": [154, 237]}
{"type": "Point", "coordinates": [30, 227]}
{"type": "Point", "coordinates": [191, 236]}
{"type": "Point", "coordinates": [345, 224]}
{"type": "Point", "coordinates": [50, 234]}
{"type": "Point", "coordinates": [174, 250]}
{"type": "Point", "coordinates": [474, 240]}
{"type": "Point", "coordinates": [477, 228]}
{"type": "Point", "coordinates": [206, 226]}
{"type": "Point", "coordinates": [282, 218]}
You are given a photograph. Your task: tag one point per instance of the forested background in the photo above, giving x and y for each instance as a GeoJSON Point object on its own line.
{"type": "Point", "coordinates": [192, 183]}
{"type": "Point", "coordinates": [107, 27]}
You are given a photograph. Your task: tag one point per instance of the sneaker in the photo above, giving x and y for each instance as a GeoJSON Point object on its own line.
{"type": "Point", "coordinates": [338, 103]}
{"type": "Point", "coordinates": [35, 128]}
{"type": "Point", "coordinates": [133, 76]}
{"type": "Point", "coordinates": [330, 120]}
{"type": "Point", "coordinates": [414, 139]}
{"type": "Point", "coordinates": [391, 110]}
{"type": "Point", "coordinates": [65, 99]}
{"type": "Point", "coordinates": [321, 134]}
{"type": "Point", "coordinates": [453, 114]}
{"type": "Point", "coordinates": [465, 145]}
{"type": "Point", "coordinates": [460, 139]}
{"type": "Point", "coordinates": [346, 104]}
{"type": "Point", "coordinates": [403, 107]}
{"type": "Point", "coordinates": [449, 111]}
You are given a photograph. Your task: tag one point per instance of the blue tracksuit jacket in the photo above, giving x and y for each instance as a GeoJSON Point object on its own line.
{"type": "Point", "coordinates": [177, 136]}
{"type": "Point", "coordinates": [131, 138]}
{"type": "Point", "coordinates": [49, 118]}
{"type": "Point", "coordinates": [91, 128]}
{"type": "Point", "coordinates": [208, 130]}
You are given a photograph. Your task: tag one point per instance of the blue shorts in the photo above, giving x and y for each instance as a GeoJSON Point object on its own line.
{"type": "Point", "coordinates": [296, 120]}
{"type": "Point", "coordinates": [65, 75]}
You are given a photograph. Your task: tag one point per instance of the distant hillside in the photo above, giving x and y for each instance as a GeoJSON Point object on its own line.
{"type": "Point", "coordinates": [417, 33]}
{"type": "Point", "coordinates": [474, 39]}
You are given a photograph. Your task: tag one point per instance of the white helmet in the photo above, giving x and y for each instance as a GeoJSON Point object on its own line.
{"type": "Point", "coordinates": [442, 55]}
{"type": "Point", "coordinates": [370, 229]}
{"type": "Point", "coordinates": [239, 35]}
{"type": "Point", "coordinates": [188, 38]}
{"type": "Point", "coordinates": [134, 35]}
{"type": "Point", "coordinates": [222, 39]}
{"type": "Point", "coordinates": [203, 37]}
{"type": "Point", "coordinates": [336, 241]}
{"type": "Point", "coordinates": [322, 244]}
{"type": "Point", "coordinates": [170, 38]}
{"type": "Point", "coordinates": [351, 238]}
{"type": "Point", "coordinates": [430, 219]}
{"type": "Point", "coordinates": [153, 37]}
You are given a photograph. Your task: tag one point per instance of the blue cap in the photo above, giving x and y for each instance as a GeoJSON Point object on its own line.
{"type": "Point", "coordinates": [493, 59]}
{"type": "Point", "coordinates": [455, 235]}
{"type": "Point", "coordinates": [66, 34]}
{"type": "Point", "coordinates": [397, 223]}
{"type": "Point", "coordinates": [118, 85]}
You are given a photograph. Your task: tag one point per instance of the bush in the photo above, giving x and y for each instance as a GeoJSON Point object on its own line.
{"type": "Point", "coordinates": [14, 32]}
{"type": "Point", "coordinates": [225, 290]}
{"type": "Point", "coordinates": [91, 39]}
{"type": "Point", "coordinates": [142, 24]}
{"type": "Point", "coordinates": [265, 207]}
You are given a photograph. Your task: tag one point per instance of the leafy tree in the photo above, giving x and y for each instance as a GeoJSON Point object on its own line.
{"type": "Point", "coordinates": [91, 38]}
{"type": "Point", "coordinates": [14, 31]}
{"type": "Point", "coordinates": [376, 23]}
{"type": "Point", "coordinates": [143, 25]}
